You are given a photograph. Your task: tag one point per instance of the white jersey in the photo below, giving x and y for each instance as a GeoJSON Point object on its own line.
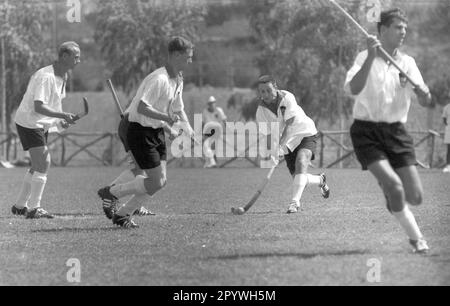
{"type": "Point", "coordinates": [446, 114]}
{"type": "Point", "coordinates": [48, 88]}
{"type": "Point", "coordinates": [217, 115]}
{"type": "Point", "coordinates": [159, 91]}
{"type": "Point", "coordinates": [384, 98]}
{"type": "Point", "coordinates": [302, 126]}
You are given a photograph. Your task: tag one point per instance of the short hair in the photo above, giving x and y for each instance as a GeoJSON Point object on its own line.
{"type": "Point", "coordinates": [264, 79]}
{"type": "Point", "coordinates": [387, 17]}
{"type": "Point", "coordinates": [67, 47]}
{"type": "Point", "coordinates": [179, 44]}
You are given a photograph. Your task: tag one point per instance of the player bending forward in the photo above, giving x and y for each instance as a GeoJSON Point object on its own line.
{"type": "Point", "coordinates": [110, 206]}
{"type": "Point", "coordinates": [148, 116]}
{"type": "Point", "coordinates": [298, 138]}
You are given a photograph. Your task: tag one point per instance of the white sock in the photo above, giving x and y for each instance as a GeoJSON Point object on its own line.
{"type": "Point", "coordinates": [314, 179]}
{"type": "Point", "coordinates": [135, 186]}
{"type": "Point", "coordinates": [298, 186]}
{"type": "Point", "coordinates": [136, 202]}
{"type": "Point", "coordinates": [38, 182]}
{"type": "Point", "coordinates": [25, 191]}
{"type": "Point", "coordinates": [408, 222]}
{"type": "Point", "coordinates": [126, 176]}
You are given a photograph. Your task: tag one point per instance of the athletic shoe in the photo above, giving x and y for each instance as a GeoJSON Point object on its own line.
{"type": "Point", "coordinates": [19, 211]}
{"type": "Point", "coordinates": [105, 193]}
{"type": "Point", "coordinates": [324, 189]}
{"type": "Point", "coordinates": [141, 212]}
{"type": "Point", "coordinates": [293, 207]}
{"type": "Point", "coordinates": [419, 246]}
{"type": "Point", "coordinates": [38, 213]}
{"type": "Point", "coordinates": [446, 169]}
{"type": "Point", "coordinates": [124, 221]}
{"type": "Point", "coordinates": [110, 207]}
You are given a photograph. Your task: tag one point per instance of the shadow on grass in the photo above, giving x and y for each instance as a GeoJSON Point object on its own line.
{"type": "Point", "coordinates": [228, 213]}
{"type": "Point", "coordinates": [60, 216]}
{"type": "Point", "coordinates": [298, 255]}
{"type": "Point", "coordinates": [77, 215]}
{"type": "Point", "coordinates": [77, 230]}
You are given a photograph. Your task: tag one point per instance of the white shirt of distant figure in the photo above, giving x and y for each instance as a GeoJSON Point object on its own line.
{"type": "Point", "coordinates": [302, 126]}
{"type": "Point", "coordinates": [216, 115]}
{"type": "Point", "coordinates": [446, 116]}
{"type": "Point", "coordinates": [44, 86]}
{"type": "Point", "coordinates": [214, 118]}
{"type": "Point", "coordinates": [387, 95]}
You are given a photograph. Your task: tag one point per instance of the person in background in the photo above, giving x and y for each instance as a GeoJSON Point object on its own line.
{"type": "Point", "coordinates": [214, 120]}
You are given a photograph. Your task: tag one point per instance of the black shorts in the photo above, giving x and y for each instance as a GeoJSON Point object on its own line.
{"type": "Point", "coordinates": [147, 145]}
{"type": "Point", "coordinates": [32, 138]}
{"type": "Point", "coordinates": [374, 141]}
{"type": "Point", "coordinates": [309, 143]}
{"type": "Point", "coordinates": [122, 131]}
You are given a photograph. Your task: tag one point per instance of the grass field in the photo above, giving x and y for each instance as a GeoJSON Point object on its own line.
{"type": "Point", "coordinates": [194, 240]}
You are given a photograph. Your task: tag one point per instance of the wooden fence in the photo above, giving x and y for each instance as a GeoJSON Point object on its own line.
{"type": "Point", "coordinates": [94, 149]}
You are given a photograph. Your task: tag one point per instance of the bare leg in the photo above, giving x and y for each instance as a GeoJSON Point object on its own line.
{"type": "Point", "coordinates": [394, 189]}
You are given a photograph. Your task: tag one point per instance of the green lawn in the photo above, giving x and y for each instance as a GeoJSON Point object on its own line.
{"type": "Point", "coordinates": [194, 240]}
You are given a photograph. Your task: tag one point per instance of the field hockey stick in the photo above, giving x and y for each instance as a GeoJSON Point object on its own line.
{"type": "Point", "coordinates": [85, 110]}
{"type": "Point", "coordinates": [62, 125]}
{"type": "Point", "coordinates": [243, 210]}
{"type": "Point", "coordinates": [116, 99]}
{"type": "Point", "coordinates": [414, 84]}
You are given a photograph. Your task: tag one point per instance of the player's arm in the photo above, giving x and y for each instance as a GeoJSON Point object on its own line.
{"type": "Point", "coordinates": [287, 126]}
{"type": "Point", "coordinates": [149, 111]}
{"type": "Point", "coordinates": [156, 90]}
{"type": "Point", "coordinates": [41, 95]}
{"type": "Point", "coordinates": [423, 95]}
{"type": "Point", "coordinates": [421, 90]}
{"type": "Point", "coordinates": [41, 108]}
{"type": "Point", "coordinates": [185, 122]}
{"type": "Point", "coordinates": [288, 111]}
{"type": "Point", "coordinates": [223, 117]}
{"type": "Point", "coordinates": [359, 81]}
{"type": "Point", "coordinates": [170, 131]}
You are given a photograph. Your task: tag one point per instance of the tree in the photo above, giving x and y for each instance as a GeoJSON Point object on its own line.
{"type": "Point", "coordinates": [307, 46]}
{"type": "Point", "coordinates": [23, 25]}
{"type": "Point", "coordinates": [435, 56]}
{"type": "Point", "coordinates": [133, 35]}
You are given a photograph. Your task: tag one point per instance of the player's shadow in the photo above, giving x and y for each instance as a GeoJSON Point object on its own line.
{"type": "Point", "coordinates": [77, 230]}
{"type": "Point", "coordinates": [76, 215]}
{"type": "Point", "coordinates": [228, 213]}
{"type": "Point", "coordinates": [293, 255]}
{"type": "Point", "coordinates": [61, 216]}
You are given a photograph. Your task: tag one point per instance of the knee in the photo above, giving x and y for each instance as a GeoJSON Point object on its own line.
{"type": "Point", "coordinates": [137, 171]}
{"type": "Point", "coordinates": [302, 164]}
{"type": "Point", "coordinates": [395, 191]}
{"type": "Point", "coordinates": [416, 198]}
{"type": "Point", "coordinates": [160, 184]}
{"type": "Point", "coordinates": [42, 166]}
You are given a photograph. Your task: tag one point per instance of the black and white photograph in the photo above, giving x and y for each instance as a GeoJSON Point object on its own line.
{"type": "Point", "coordinates": [224, 150]}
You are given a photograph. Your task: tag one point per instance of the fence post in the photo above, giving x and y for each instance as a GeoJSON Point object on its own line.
{"type": "Point", "coordinates": [432, 149]}
{"type": "Point", "coordinates": [63, 151]}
